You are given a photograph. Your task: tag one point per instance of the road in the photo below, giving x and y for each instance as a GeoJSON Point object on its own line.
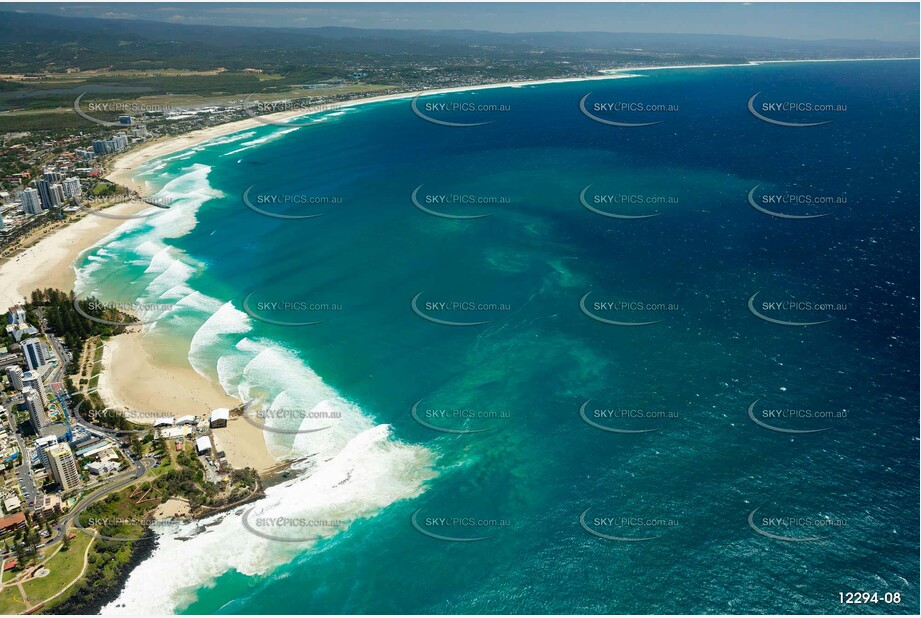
{"type": "Point", "coordinates": [123, 480]}
{"type": "Point", "coordinates": [140, 469]}
{"type": "Point", "coordinates": [24, 470]}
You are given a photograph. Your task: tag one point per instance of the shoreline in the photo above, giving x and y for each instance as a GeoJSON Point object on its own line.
{"type": "Point", "coordinates": [49, 262]}
{"type": "Point", "coordinates": [133, 380]}
{"type": "Point", "coordinates": [124, 165]}
{"type": "Point", "coordinates": [52, 258]}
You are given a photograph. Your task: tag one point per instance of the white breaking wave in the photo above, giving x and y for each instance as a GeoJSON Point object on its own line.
{"type": "Point", "coordinates": [262, 140]}
{"type": "Point", "coordinates": [369, 473]}
{"type": "Point", "coordinates": [349, 470]}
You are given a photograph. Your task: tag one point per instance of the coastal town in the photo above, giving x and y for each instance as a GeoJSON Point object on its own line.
{"type": "Point", "coordinates": [63, 456]}
{"type": "Point", "coordinates": [154, 453]}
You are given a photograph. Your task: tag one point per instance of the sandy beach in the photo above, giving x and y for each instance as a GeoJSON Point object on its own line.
{"type": "Point", "coordinates": [49, 262]}
{"type": "Point", "coordinates": [131, 379]}
{"type": "Point", "coordinates": [124, 165]}
{"type": "Point", "coordinates": [142, 387]}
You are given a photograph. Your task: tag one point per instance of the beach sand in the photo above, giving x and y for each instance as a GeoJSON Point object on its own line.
{"type": "Point", "coordinates": [49, 262]}
{"type": "Point", "coordinates": [131, 379]}
{"type": "Point", "coordinates": [145, 389]}
{"type": "Point", "coordinates": [244, 445]}
{"type": "Point", "coordinates": [172, 508]}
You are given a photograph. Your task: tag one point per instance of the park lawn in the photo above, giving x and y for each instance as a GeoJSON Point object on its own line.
{"type": "Point", "coordinates": [11, 601]}
{"type": "Point", "coordinates": [65, 566]}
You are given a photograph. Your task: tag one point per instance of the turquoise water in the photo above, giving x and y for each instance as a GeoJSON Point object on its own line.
{"type": "Point", "coordinates": [372, 483]}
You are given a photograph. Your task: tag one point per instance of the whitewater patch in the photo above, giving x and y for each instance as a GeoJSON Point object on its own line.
{"type": "Point", "coordinates": [271, 377]}
{"type": "Point", "coordinates": [260, 141]}
{"type": "Point", "coordinates": [351, 470]}
{"type": "Point", "coordinates": [371, 472]}
{"type": "Point", "coordinates": [158, 275]}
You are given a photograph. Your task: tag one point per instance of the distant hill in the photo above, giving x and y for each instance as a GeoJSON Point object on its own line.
{"type": "Point", "coordinates": [40, 42]}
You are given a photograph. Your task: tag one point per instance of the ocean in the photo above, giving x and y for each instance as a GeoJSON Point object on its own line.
{"type": "Point", "coordinates": [547, 363]}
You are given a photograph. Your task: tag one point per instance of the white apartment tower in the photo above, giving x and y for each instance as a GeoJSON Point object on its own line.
{"type": "Point", "coordinates": [37, 415]}
{"type": "Point", "coordinates": [14, 372]}
{"type": "Point", "coordinates": [34, 352]}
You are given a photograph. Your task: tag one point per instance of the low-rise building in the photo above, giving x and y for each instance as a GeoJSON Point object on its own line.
{"type": "Point", "coordinates": [102, 467]}
{"type": "Point", "coordinates": [11, 503]}
{"type": "Point", "coordinates": [219, 418]}
{"type": "Point", "coordinates": [16, 315]}
{"type": "Point", "coordinates": [47, 505]}
{"type": "Point", "coordinates": [203, 445]}
{"type": "Point", "coordinates": [12, 522]}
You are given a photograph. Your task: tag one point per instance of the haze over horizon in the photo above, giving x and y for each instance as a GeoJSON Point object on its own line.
{"type": "Point", "coordinates": [892, 22]}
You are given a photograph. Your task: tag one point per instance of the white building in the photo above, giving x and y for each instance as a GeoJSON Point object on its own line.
{"type": "Point", "coordinates": [57, 195]}
{"type": "Point", "coordinates": [37, 415]}
{"type": "Point", "coordinates": [16, 315]}
{"type": "Point", "coordinates": [31, 202]}
{"type": "Point", "coordinates": [164, 421]}
{"type": "Point", "coordinates": [102, 467]}
{"type": "Point", "coordinates": [14, 372]}
{"type": "Point", "coordinates": [171, 433]}
{"type": "Point", "coordinates": [34, 352]}
{"type": "Point", "coordinates": [21, 331]}
{"type": "Point", "coordinates": [42, 445]}
{"type": "Point", "coordinates": [203, 445]}
{"type": "Point", "coordinates": [33, 380]}
{"type": "Point", "coordinates": [11, 502]}
{"type": "Point", "coordinates": [220, 417]}
{"type": "Point", "coordinates": [72, 187]}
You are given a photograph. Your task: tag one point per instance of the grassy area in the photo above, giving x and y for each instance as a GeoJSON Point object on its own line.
{"type": "Point", "coordinates": [11, 601]}
{"type": "Point", "coordinates": [55, 113]}
{"type": "Point", "coordinates": [64, 567]}
{"type": "Point", "coordinates": [99, 349]}
{"type": "Point", "coordinates": [165, 466]}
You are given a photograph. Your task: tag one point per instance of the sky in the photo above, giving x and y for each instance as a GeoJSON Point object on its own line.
{"type": "Point", "coordinates": [876, 20]}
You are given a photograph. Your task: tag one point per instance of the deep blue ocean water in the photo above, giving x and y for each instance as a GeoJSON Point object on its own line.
{"type": "Point", "coordinates": [696, 487]}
